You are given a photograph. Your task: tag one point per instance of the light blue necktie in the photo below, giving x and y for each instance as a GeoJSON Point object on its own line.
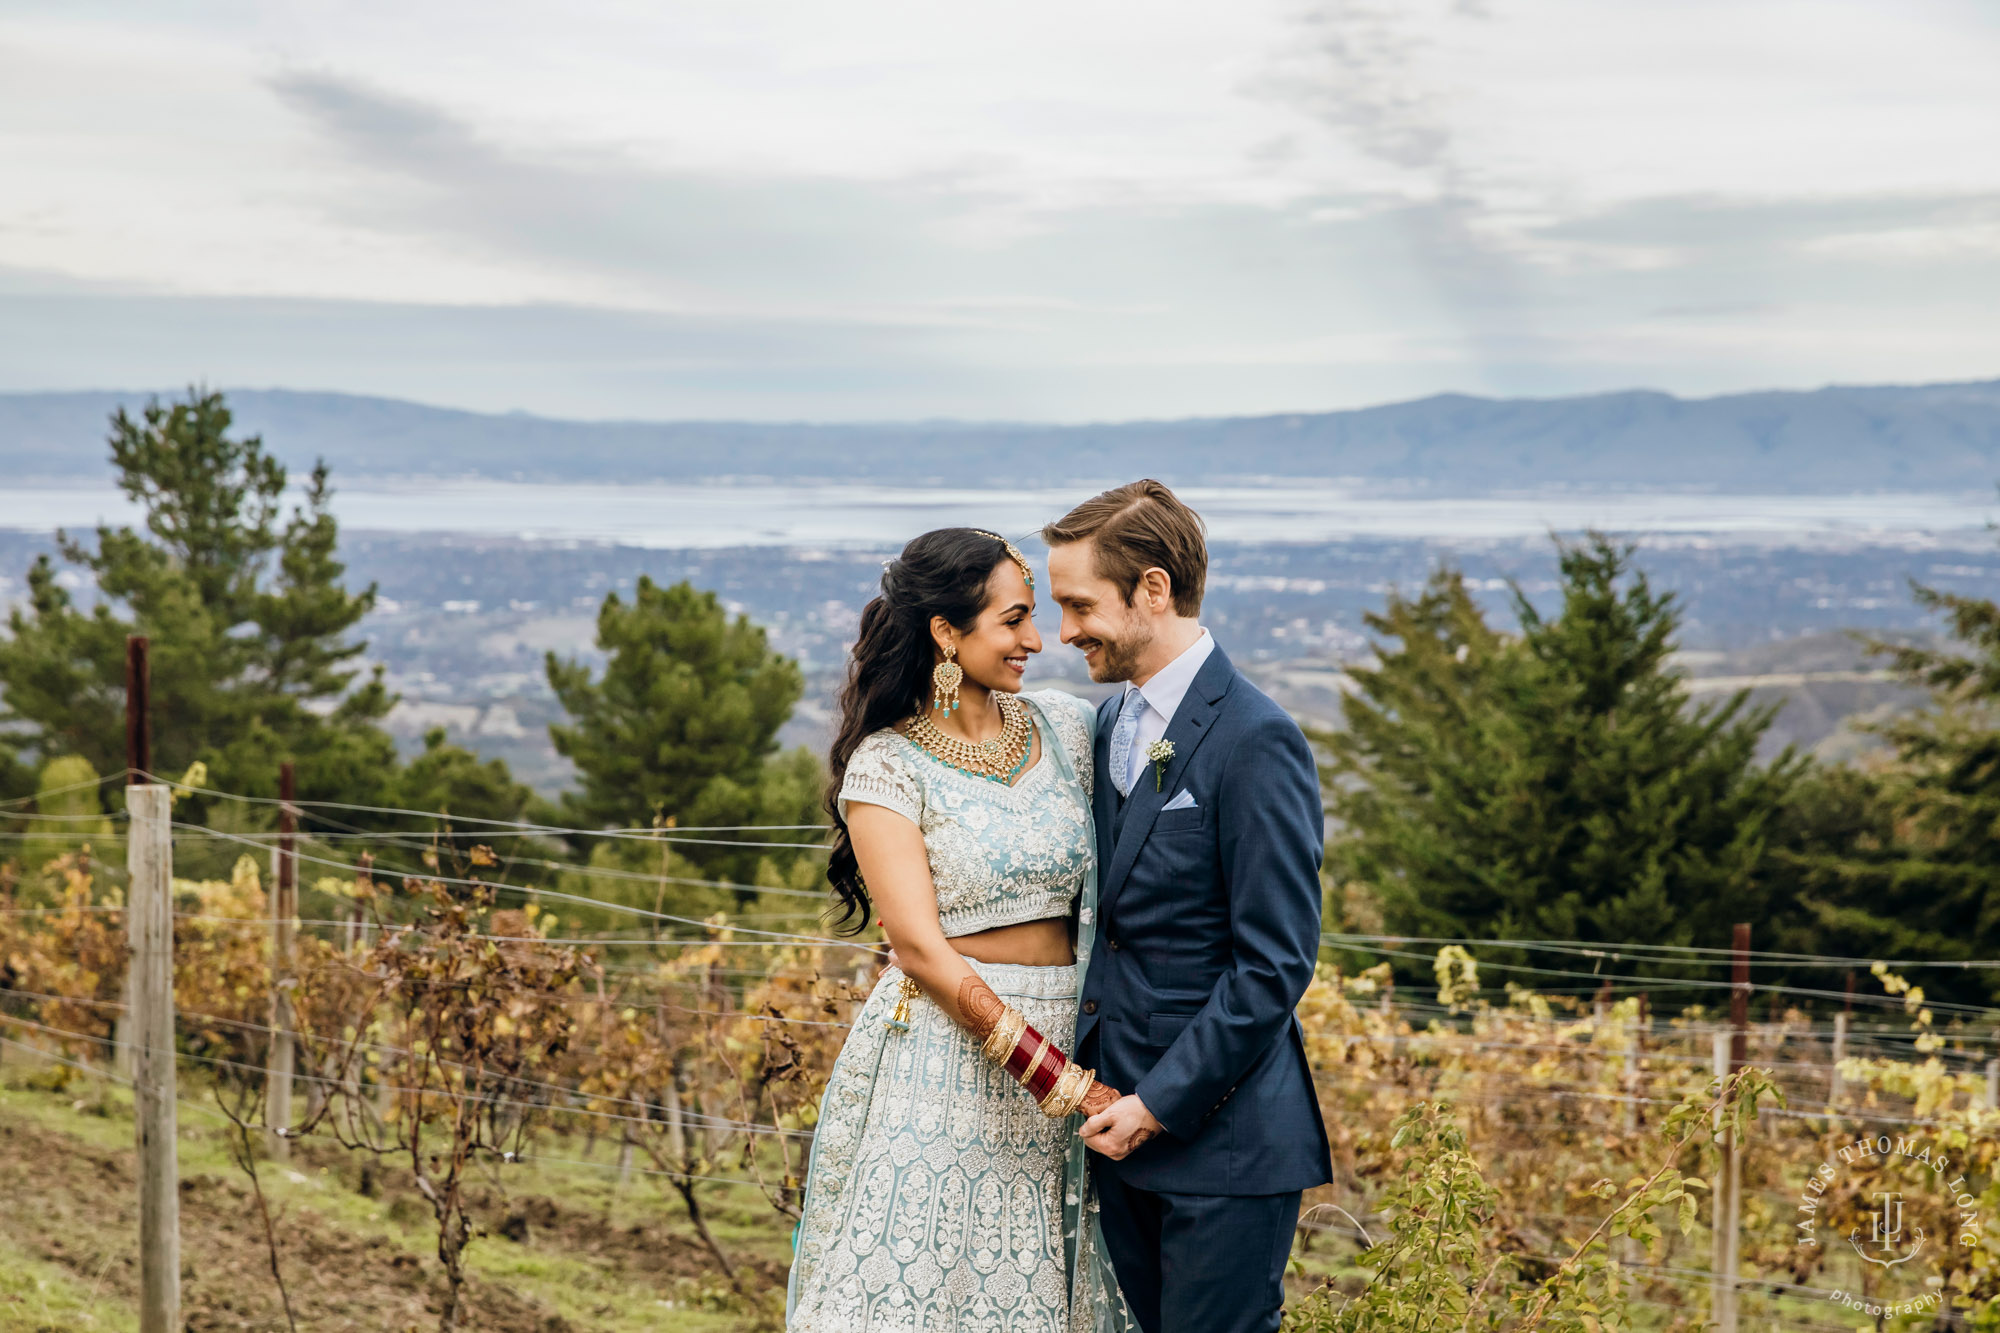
{"type": "Point", "coordinates": [1122, 733]}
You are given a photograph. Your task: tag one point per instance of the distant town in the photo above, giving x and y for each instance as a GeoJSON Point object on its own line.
{"type": "Point", "coordinates": [463, 622]}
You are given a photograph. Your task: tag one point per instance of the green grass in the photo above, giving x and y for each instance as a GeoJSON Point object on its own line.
{"type": "Point", "coordinates": [41, 1297]}
{"type": "Point", "coordinates": [588, 1289]}
{"type": "Point", "coordinates": [591, 1298]}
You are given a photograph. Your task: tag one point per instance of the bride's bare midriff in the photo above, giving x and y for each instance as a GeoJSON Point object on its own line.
{"type": "Point", "coordinates": [1031, 944]}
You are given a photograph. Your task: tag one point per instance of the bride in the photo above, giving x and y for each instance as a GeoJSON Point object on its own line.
{"type": "Point", "coordinates": [947, 1189]}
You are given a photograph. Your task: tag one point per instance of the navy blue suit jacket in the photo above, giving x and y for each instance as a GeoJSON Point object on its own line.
{"type": "Point", "coordinates": [1208, 925]}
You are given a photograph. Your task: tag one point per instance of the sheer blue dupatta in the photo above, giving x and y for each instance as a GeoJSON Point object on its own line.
{"type": "Point", "coordinates": [1096, 1304]}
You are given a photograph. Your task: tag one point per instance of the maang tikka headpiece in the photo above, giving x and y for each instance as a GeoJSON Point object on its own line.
{"type": "Point", "coordinates": [1013, 553]}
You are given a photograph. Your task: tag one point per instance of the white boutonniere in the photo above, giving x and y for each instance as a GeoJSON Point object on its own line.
{"type": "Point", "coordinates": [1159, 752]}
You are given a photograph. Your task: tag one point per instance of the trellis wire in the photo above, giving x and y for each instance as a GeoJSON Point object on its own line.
{"type": "Point", "coordinates": [538, 893]}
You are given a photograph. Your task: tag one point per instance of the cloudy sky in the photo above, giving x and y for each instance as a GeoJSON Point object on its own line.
{"type": "Point", "coordinates": [1044, 209]}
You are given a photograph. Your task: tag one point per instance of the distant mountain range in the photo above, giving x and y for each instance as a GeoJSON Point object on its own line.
{"type": "Point", "coordinates": [1939, 437]}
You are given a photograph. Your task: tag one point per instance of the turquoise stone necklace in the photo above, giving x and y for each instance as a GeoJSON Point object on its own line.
{"type": "Point", "coordinates": [999, 759]}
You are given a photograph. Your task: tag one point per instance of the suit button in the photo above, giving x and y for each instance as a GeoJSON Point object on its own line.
{"type": "Point", "coordinates": [1114, 946]}
{"type": "Point", "coordinates": [1090, 1006]}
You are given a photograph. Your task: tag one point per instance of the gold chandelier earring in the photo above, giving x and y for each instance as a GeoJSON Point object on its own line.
{"type": "Point", "coordinates": [945, 677]}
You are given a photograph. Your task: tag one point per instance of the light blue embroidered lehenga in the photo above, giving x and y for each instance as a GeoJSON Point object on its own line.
{"type": "Point", "coordinates": [941, 1199]}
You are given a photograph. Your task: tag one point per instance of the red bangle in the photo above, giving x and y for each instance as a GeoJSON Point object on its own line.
{"type": "Point", "coordinates": [1036, 1063]}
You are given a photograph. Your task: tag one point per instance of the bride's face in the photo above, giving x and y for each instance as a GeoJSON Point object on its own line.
{"type": "Point", "coordinates": [995, 651]}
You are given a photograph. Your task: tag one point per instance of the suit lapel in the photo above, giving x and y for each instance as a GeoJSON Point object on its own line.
{"type": "Point", "coordinates": [1190, 727]}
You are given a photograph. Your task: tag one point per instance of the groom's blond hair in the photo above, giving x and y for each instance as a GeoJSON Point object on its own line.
{"type": "Point", "coordinates": [1136, 527]}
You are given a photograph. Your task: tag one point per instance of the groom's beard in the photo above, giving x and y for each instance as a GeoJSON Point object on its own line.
{"type": "Point", "coordinates": [1119, 659]}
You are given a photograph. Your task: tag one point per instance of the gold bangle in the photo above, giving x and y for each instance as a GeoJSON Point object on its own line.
{"type": "Point", "coordinates": [1015, 1031]}
{"type": "Point", "coordinates": [992, 1037]}
{"type": "Point", "coordinates": [1084, 1083]}
{"type": "Point", "coordinates": [1056, 1094]}
{"type": "Point", "coordinates": [1005, 1036]}
{"type": "Point", "coordinates": [1067, 1096]}
{"type": "Point", "coordinates": [1083, 1086]}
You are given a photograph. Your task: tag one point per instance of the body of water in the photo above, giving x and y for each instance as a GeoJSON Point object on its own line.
{"type": "Point", "coordinates": [696, 516]}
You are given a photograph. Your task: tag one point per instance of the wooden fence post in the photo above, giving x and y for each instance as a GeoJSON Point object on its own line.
{"type": "Point", "coordinates": [677, 1142]}
{"type": "Point", "coordinates": [1731, 1052]}
{"type": "Point", "coordinates": [1993, 1085]}
{"type": "Point", "coordinates": [1837, 1087]}
{"type": "Point", "coordinates": [1728, 1179]}
{"type": "Point", "coordinates": [138, 763]}
{"type": "Point", "coordinates": [1739, 998]}
{"type": "Point", "coordinates": [1842, 1022]}
{"type": "Point", "coordinates": [1634, 1076]}
{"type": "Point", "coordinates": [364, 873]}
{"type": "Point", "coordinates": [278, 1070]}
{"type": "Point", "coordinates": [149, 861]}
{"type": "Point", "coordinates": [711, 1103]}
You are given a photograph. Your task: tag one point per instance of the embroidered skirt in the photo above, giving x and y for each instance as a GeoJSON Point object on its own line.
{"type": "Point", "coordinates": [936, 1200]}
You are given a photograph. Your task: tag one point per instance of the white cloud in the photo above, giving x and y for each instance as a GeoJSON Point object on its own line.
{"type": "Point", "coordinates": [889, 208]}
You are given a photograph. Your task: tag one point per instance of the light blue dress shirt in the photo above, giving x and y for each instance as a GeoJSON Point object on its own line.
{"type": "Point", "coordinates": [1155, 705]}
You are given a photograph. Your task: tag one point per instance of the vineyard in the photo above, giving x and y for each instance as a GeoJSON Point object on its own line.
{"type": "Point", "coordinates": [419, 1087]}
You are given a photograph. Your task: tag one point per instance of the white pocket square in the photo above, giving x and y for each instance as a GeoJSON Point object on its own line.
{"type": "Point", "coordinates": [1184, 801]}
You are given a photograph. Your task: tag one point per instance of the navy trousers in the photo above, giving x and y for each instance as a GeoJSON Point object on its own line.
{"type": "Point", "coordinates": [1198, 1263]}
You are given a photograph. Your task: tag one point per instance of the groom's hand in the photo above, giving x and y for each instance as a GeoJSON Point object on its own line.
{"type": "Point", "coordinates": [1119, 1131]}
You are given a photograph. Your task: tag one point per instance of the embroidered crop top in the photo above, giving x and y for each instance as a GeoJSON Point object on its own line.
{"type": "Point", "coordinates": [999, 855]}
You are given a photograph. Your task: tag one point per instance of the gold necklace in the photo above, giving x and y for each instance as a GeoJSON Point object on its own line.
{"type": "Point", "coordinates": [997, 760]}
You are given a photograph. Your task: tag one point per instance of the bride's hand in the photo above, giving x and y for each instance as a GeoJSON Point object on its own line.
{"type": "Point", "coordinates": [1121, 1130]}
{"type": "Point", "coordinates": [1098, 1099]}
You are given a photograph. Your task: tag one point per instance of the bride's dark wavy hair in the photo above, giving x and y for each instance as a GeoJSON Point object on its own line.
{"type": "Point", "coordinates": [942, 573]}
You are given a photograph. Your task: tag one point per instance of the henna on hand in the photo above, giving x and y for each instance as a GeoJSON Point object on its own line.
{"type": "Point", "coordinates": [1098, 1099]}
{"type": "Point", "coordinates": [979, 1008]}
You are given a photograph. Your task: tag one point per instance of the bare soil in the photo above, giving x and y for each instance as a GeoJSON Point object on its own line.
{"type": "Point", "coordinates": [74, 1205]}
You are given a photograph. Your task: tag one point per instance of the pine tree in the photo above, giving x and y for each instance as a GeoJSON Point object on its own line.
{"type": "Point", "coordinates": [250, 655]}
{"type": "Point", "coordinates": [453, 781]}
{"type": "Point", "coordinates": [1551, 785]}
{"type": "Point", "coordinates": [683, 724]}
{"type": "Point", "coordinates": [17, 779]}
{"type": "Point", "coordinates": [1906, 864]}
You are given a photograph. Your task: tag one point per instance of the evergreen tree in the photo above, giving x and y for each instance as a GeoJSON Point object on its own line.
{"type": "Point", "coordinates": [17, 779]}
{"type": "Point", "coordinates": [1551, 785]}
{"type": "Point", "coordinates": [683, 724]}
{"type": "Point", "coordinates": [250, 656]}
{"type": "Point", "coordinates": [453, 781]}
{"type": "Point", "coordinates": [1905, 862]}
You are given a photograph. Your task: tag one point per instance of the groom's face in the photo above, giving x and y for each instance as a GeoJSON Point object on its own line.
{"type": "Point", "coordinates": [1112, 634]}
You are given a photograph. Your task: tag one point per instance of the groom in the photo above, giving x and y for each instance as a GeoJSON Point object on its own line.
{"type": "Point", "coordinates": [1209, 838]}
